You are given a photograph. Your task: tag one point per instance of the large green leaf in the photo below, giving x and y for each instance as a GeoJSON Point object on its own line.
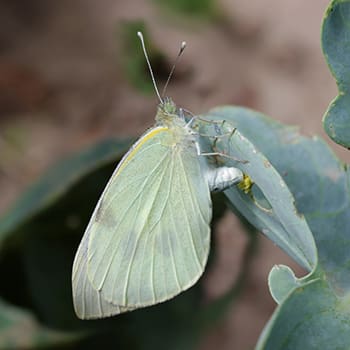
{"type": "Point", "coordinates": [336, 48]}
{"type": "Point", "coordinates": [270, 205]}
{"type": "Point", "coordinates": [320, 185]}
{"type": "Point", "coordinates": [312, 317]}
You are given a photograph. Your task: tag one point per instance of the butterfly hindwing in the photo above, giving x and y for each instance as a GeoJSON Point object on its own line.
{"type": "Point", "coordinates": [88, 302]}
{"type": "Point", "coordinates": [148, 238]}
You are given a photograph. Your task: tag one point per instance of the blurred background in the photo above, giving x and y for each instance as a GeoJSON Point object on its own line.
{"type": "Point", "coordinates": [72, 73]}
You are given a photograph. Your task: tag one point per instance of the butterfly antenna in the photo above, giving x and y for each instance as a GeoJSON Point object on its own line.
{"type": "Point", "coordinates": [182, 48]}
{"type": "Point", "coordinates": [139, 34]}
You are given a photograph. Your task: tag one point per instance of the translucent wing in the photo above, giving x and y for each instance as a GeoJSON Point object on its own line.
{"type": "Point", "coordinates": [88, 302]}
{"type": "Point", "coordinates": [148, 238]}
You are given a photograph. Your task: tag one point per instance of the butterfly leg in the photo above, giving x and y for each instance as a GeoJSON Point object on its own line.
{"type": "Point", "coordinates": [217, 153]}
{"type": "Point", "coordinates": [216, 124]}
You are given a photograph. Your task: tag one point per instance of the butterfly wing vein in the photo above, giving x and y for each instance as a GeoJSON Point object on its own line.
{"type": "Point", "coordinates": [148, 238]}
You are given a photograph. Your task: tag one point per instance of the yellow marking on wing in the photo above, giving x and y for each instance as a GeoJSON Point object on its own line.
{"type": "Point", "coordinates": [138, 144]}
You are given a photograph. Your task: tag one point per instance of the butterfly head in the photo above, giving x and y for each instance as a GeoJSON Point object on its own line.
{"type": "Point", "coordinates": [168, 106]}
{"type": "Point", "coordinates": [167, 110]}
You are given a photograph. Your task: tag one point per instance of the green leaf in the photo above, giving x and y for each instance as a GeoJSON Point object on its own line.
{"type": "Point", "coordinates": [311, 318]}
{"type": "Point", "coordinates": [20, 330]}
{"type": "Point", "coordinates": [336, 48]}
{"type": "Point", "coordinates": [319, 183]}
{"type": "Point", "coordinates": [56, 182]}
{"type": "Point", "coordinates": [282, 281]}
{"type": "Point", "coordinates": [270, 206]}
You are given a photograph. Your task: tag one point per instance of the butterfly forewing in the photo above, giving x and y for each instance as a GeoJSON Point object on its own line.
{"type": "Point", "coordinates": [148, 238]}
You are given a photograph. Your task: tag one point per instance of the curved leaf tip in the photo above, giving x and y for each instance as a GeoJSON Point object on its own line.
{"type": "Point", "coordinates": [336, 48]}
